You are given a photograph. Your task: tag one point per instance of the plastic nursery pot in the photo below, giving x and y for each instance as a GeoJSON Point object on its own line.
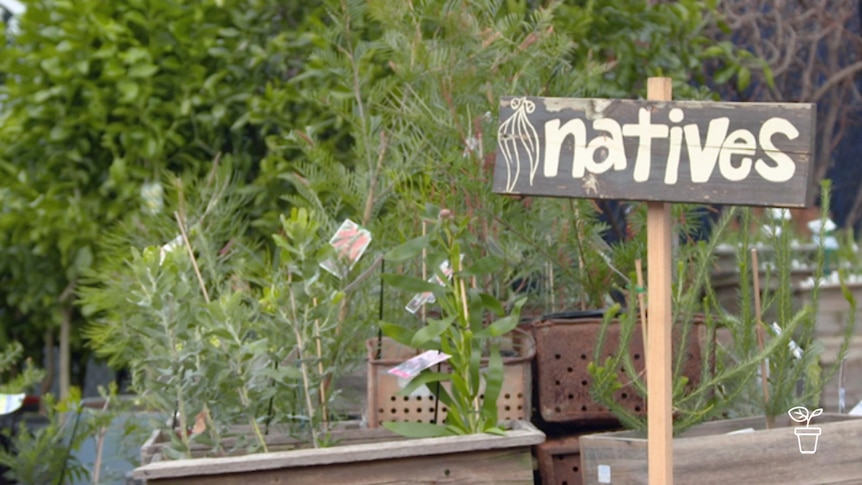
{"type": "Point", "coordinates": [807, 438]}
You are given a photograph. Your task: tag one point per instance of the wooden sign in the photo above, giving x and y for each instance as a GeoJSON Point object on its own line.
{"type": "Point", "coordinates": [683, 151]}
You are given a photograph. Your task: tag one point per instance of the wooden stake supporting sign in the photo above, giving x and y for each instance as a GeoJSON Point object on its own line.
{"type": "Point", "coordinates": [659, 325]}
{"type": "Point", "coordinates": [656, 151]}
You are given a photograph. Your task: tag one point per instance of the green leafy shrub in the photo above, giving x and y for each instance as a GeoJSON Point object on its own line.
{"type": "Point", "coordinates": [462, 331]}
{"type": "Point", "coordinates": [220, 333]}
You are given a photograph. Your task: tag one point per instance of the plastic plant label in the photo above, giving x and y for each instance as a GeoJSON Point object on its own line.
{"type": "Point", "coordinates": [350, 242]}
{"type": "Point", "coordinates": [857, 410]}
{"type": "Point", "coordinates": [9, 403]}
{"type": "Point", "coordinates": [169, 247]}
{"type": "Point", "coordinates": [794, 347]}
{"type": "Point", "coordinates": [604, 474]}
{"type": "Point", "coordinates": [427, 297]}
{"type": "Point", "coordinates": [412, 367]}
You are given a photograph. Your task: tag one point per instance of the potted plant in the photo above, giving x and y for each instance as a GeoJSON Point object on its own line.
{"type": "Point", "coordinates": [460, 449]}
{"type": "Point", "coordinates": [756, 381]}
{"type": "Point", "coordinates": [240, 352]}
{"type": "Point", "coordinates": [470, 332]}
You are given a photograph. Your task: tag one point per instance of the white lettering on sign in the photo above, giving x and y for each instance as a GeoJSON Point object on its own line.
{"type": "Point", "coordinates": [784, 166]}
{"type": "Point", "coordinates": [734, 153]}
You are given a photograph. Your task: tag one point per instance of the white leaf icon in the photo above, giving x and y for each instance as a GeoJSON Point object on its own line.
{"type": "Point", "coordinates": [799, 414]}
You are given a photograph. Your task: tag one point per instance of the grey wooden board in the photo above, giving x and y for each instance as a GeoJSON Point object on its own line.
{"type": "Point", "coordinates": [535, 157]}
{"type": "Point", "coordinates": [709, 456]}
{"type": "Point", "coordinates": [522, 434]}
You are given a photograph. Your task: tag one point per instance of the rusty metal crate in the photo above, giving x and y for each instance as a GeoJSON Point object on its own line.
{"type": "Point", "coordinates": [384, 404]}
{"type": "Point", "coordinates": [565, 347]}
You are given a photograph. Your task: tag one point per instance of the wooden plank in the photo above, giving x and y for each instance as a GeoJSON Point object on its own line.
{"type": "Point", "coordinates": [709, 456]}
{"type": "Point", "coordinates": [511, 466]}
{"type": "Point", "coordinates": [659, 326]}
{"type": "Point", "coordinates": [278, 439]}
{"type": "Point", "coordinates": [522, 434]}
{"type": "Point", "coordinates": [685, 151]}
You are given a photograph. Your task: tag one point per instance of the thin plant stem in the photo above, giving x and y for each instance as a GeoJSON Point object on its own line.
{"type": "Point", "coordinates": [322, 396]}
{"type": "Point", "coordinates": [246, 402]}
{"type": "Point", "coordinates": [192, 256]}
{"type": "Point", "coordinates": [764, 376]}
{"type": "Point", "coordinates": [302, 366]}
{"type": "Point", "coordinates": [641, 300]}
{"type": "Point", "coordinates": [100, 445]}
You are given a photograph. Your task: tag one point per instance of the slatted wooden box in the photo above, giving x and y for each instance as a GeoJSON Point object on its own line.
{"type": "Point", "coordinates": [384, 404]}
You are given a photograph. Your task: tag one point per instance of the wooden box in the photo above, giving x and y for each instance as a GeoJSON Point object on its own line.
{"type": "Point", "coordinates": [384, 404]}
{"type": "Point", "coordinates": [381, 457]}
{"type": "Point", "coordinates": [708, 455]}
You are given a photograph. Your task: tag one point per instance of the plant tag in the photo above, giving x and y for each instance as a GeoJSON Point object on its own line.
{"type": "Point", "coordinates": [412, 367]}
{"type": "Point", "coordinates": [350, 242]}
{"type": "Point", "coordinates": [9, 403]}
{"type": "Point", "coordinates": [742, 431]}
{"type": "Point", "coordinates": [857, 410]}
{"type": "Point", "coordinates": [427, 297]}
{"type": "Point", "coordinates": [794, 347]}
{"type": "Point", "coordinates": [604, 474]}
{"type": "Point", "coordinates": [169, 247]}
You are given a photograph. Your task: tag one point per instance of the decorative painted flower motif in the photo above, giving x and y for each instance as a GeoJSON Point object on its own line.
{"type": "Point", "coordinates": [515, 136]}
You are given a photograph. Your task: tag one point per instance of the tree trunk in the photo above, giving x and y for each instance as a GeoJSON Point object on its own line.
{"type": "Point", "coordinates": [65, 352]}
{"type": "Point", "coordinates": [50, 368]}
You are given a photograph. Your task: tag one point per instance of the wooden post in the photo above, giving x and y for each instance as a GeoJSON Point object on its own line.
{"type": "Point", "coordinates": [658, 353]}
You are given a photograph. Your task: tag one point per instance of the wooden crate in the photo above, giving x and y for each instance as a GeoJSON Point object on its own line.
{"type": "Point", "coordinates": [388, 458]}
{"type": "Point", "coordinates": [708, 455]}
{"type": "Point", "coordinates": [384, 404]}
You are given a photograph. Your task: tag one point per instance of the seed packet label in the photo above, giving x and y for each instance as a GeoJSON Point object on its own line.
{"type": "Point", "coordinates": [421, 299]}
{"type": "Point", "coordinates": [412, 367]}
{"type": "Point", "coordinates": [9, 403]}
{"type": "Point", "coordinates": [350, 242]}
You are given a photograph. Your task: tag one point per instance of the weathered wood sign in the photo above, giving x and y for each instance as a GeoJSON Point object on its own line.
{"type": "Point", "coordinates": [683, 151]}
